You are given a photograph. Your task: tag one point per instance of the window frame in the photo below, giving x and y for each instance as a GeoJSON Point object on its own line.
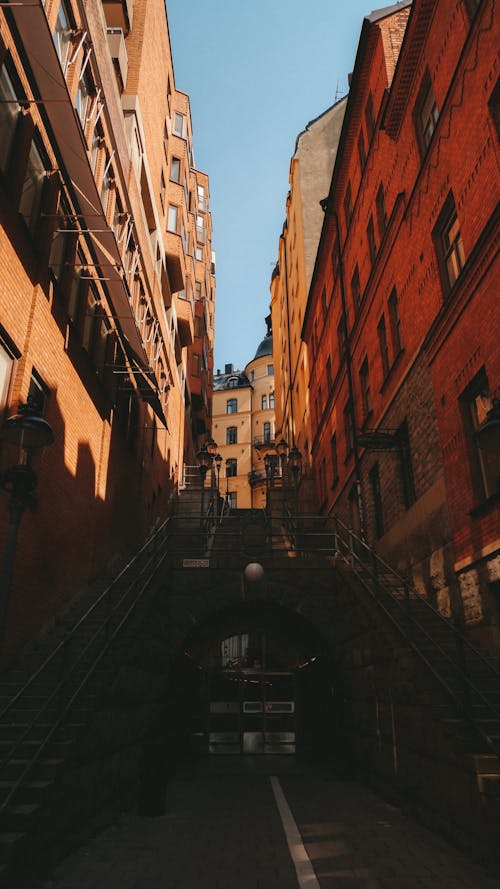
{"type": "Point", "coordinates": [232, 406]}
{"type": "Point", "coordinates": [452, 250]}
{"type": "Point", "coordinates": [231, 435]}
{"type": "Point", "coordinates": [426, 114]}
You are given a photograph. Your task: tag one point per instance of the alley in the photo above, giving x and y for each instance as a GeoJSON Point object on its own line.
{"type": "Point", "coordinates": [223, 830]}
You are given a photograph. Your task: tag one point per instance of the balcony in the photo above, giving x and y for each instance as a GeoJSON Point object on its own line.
{"type": "Point", "coordinates": [203, 203]}
{"type": "Point", "coordinates": [119, 14]}
{"type": "Point", "coordinates": [176, 260]}
{"type": "Point", "coordinates": [256, 477]}
{"type": "Point", "coordinates": [264, 442]}
{"type": "Point", "coordinates": [118, 50]}
{"type": "Point", "coordinates": [185, 321]}
{"type": "Point", "coordinates": [201, 234]}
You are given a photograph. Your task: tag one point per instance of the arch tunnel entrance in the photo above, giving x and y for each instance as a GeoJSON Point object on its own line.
{"type": "Point", "coordinates": [256, 678]}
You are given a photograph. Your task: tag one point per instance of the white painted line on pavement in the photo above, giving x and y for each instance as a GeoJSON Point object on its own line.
{"type": "Point", "coordinates": [305, 871]}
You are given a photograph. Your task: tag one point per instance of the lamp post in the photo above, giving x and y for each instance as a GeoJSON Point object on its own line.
{"type": "Point", "coordinates": [29, 433]}
{"type": "Point", "coordinates": [282, 451]}
{"type": "Point", "coordinates": [217, 462]}
{"type": "Point", "coordinates": [204, 463]}
{"type": "Point", "coordinates": [295, 464]}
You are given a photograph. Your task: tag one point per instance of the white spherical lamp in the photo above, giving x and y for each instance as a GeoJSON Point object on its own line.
{"type": "Point", "coordinates": [254, 572]}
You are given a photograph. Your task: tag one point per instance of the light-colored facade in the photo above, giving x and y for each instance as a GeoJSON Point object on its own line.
{"type": "Point", "coordinates": [244, 426]}
{"type": "Point", "coordinates": [310, 174]}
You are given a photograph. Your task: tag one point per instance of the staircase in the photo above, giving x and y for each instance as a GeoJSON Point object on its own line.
{"type": "Point", "coordinates": [46, 704]}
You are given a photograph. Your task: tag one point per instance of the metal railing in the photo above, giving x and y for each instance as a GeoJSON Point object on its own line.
{"type": "Point", "coordinates": [96, 630]}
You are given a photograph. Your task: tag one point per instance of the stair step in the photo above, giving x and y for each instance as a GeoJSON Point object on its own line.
{"type": "Point", "coordinates": [8, 842]}
{"type": "Point", "coordinates": [45, 768]}
{"type": "Point", "coordinates": [30, 792]}
{"type": "Point", "coordinates": [12, 731]}
{"type": "Point", "coordinates": [20, 817]}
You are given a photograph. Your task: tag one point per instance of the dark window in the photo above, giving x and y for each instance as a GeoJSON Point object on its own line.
{"type": "Point", "coordinates": [329, 378]}
{"type": "Point", "coordinates": [370, 118]}
{"type": "Point", "coordinates": [335, 465]}
{"type": "Point", "coordinates": [173, 218]}
{"type": "Point", "coordinates": [381, 211]}
{"type": "Point", "coordinates": [270, 370]}
{"type": "Point", "coordinates": [395, 322]}
{"type": "Point", "coordinates": [7, 358]}
{"type": "Point", "coordinates": [493, 104]}
{"type": "Point", "coordinates": [9, 113]}
{"type": "Point", "coordinates": [341, 339]}
{"type": "Point", "coordinates": [364, 379]}
{"type": "Point", "coordinates": [372, 244]}
{"type": "Point", "coordinates": [376, 491]}
{"type": "Point", "coordinates": [476, 402]}
{"type": "Point", "coordinates": [348, 428]}
{"type": "Point", "coordinates": [232, 383]}
{"type": "Point", "coordinates": [356, 289]}
{"type": "Point", "coordinates": [449, 244]}
{"type": "Point", "coordinates": [232, 435]}
{"type": "Point", "coordinates": [426, 114]}
{"type": "Point", "coordinates": [263, 402]}
{"type": "Point", "coordinates": [107, 180]}
{"type": "Point", "coordinates": [407, 480]}
{"type": "Point", "coordinates": [384, 351]}
{"type": "Point", "coordinates": [267, 432]}
{"type": "Point", "coordinates": [62, 35]}
{"type": "Point", "coordinates": [361, 149]}
{"type": "Point", "coordinates": [31, 194]}
{"type": "Point", "coordinates": [38, 393]}
{"type": "Point", "coordinates": [175, 169]}
{"type": "Point", "coordinates": [348, 205]}
{"type": "Point", "coordinates": [231, 468]}
{"type": "Point", "coordinates": [232, 406]}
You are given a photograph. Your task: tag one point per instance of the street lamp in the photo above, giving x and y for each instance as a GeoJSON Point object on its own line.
{"type": "Point", "coordinates": [204, 463]}
{"type": "Point", "coordinates": [28, 433]}
{"type": "Point", "coordinates": [217, 462]}
{"type": "Point", "coordinates": [295, 465]}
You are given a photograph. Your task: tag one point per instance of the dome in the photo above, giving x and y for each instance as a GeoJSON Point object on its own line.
{"type": "Point", "coordinates": [265, 347]}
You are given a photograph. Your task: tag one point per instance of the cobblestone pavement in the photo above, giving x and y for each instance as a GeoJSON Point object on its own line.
{"type": "Point", "coordinates": [222, 830]}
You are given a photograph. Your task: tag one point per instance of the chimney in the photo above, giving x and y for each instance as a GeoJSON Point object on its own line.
{"type": "Point", "coordinates": [229, 369]}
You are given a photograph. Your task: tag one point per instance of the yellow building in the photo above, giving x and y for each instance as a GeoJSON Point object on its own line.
{"type": "Point", "coordinates": [243, 426]}
{"type": "Point", "coordinates": [310, 174]}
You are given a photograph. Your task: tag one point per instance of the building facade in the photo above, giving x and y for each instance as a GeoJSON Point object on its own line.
{"type": "Point", "coordinates": [405, 358]}
{"type": "Point", "coordinates": [309, 178]}
{"type": "Point", "coordinates": [244, 426]}
{"type": "Point", "coordinates": [105, 258]}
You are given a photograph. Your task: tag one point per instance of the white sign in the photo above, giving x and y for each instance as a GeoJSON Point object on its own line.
{"type": "Point", "coordinates": [196, 563]}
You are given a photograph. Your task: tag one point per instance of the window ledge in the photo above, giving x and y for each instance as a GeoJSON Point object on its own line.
{"type": "Point", "coordinates": [485, 506]}
{"type": "Point", "coordinates": [389, 373]}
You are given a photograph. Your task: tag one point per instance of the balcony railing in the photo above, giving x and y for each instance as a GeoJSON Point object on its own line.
{"type": "Point", "coordinates": [264, 441]}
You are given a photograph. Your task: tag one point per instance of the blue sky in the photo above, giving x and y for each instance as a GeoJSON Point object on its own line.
{"type": "Point", "coordinates": [256, 71]}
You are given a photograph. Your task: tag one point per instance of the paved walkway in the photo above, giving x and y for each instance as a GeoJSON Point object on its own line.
{"type": "Point", "coordinates": [223, 830]}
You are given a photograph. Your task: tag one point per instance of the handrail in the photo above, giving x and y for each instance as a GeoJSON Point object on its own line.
{"type": "Point", "coordinates": [61, 648]}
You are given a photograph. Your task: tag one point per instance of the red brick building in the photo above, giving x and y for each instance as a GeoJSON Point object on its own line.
{"type": "Point", "coordinates": [105, 259]}
{"type": "Point", "coordinates": [400, 321]}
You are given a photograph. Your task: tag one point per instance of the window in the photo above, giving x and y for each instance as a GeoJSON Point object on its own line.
{"type": "Point", "coordinates": [374, 477]}
{"type": "Point", "coordinates": [372, 244]}
{"type": "Point", "coordinates": [232, 383]}
{"type": "Point", "coordinates": [476, 402]}
{"type": "Point", "coordinates": [334, 458]}
{"type": "Point", "coordinates": [195, 364]}
{"type": "Point", "coordinates": [364, 379]}
{"type": "Point", "coordinates": [395, 322]}
{"type": "Point", "coordinates": [172, 218]}
{"type": "Point", "coordinates": [348, 205]}
{"type": "Point", "coordinates": [270, 370]}
{"type": "Point", "coordinates": [232, 435]}
{"type": "Point", "coordinates": [95, 145]}
{"type": "Point", "coordinates": [356, 289]}
{"type": "Point", "coordinates": [341, 339]}
{"type": "Point", "coordinates": [84, 91]}
{"type": "Point", "coordinates": [329, 378]}
{"type": "Point", "coordinates": [381, 211]}
{"type": "Point", "coordinates": [38, 393]}
{"type": "Point", "coordinates": [6, 365]}
{"type": "Point", "coordinates": [370, 118]}
{"type": "Point", "coordinates": [175, 170]}
{"type": "Point", "coordinates": [199, 254]}
{"type": "Point", "coordinates": [361, 149]}
{"type": "Point", "coordinates": [233, 496]}
{"type": "Point", "coordinates": [232, 406]}
{"type": "Point", "coordinates": [348, 428]}
{"type": "Point", "coordinates": [59, 249]}
{"type": "Point", "coordinates": [426, 114]}
{"type": "Point", "coordinates": [106, 184]}
{"type": "Point", "coordinates": [62, 35]}
{"type": "Point", "coordinates": [263, 403]}
{"type": "Point", "coordinates": [163, 190]}
{"type": "Point", "coordinates": [267, 432]}
{"type": "Point", "coordinates": [179, 127]}
{"type": "Point", "coordinates": [493, 105]}
{"type": "Point", "coordinates": [231, 468]}
{"type": "Point", "coordinates": [407, 480]}
{"type": "Point", "coordinates": [9, 112]}
{"type": "Point", "coordinates": [324, 303]}
{"type": "Point", "coordinates": [382, 341]}
{"type": "Point", "coordinates": [31, 194]}
{"type": "Point", "coordinates": [449, 244]}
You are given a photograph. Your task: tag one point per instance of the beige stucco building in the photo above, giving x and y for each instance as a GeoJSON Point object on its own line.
{"type": "Point", "coordinates": [310, 174]}
{"type": "Point", "coordinates": [243, 426]}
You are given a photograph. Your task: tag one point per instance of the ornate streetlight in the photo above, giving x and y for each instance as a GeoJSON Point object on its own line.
{"type": "Point", "coordinates": [217, 462]}
{"type": "Point", "coordinates": [28, 433]}
{"type": "Point", "coordinates": [204, 464]}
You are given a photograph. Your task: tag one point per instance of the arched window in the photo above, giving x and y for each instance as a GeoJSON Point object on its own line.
{"type": "Point", "coordinates": [271, 400]}
{"type": "Point", "coordinates": [232, 406]}
{"type": "Point", "coordinates": [232, 435]}
{"type": "Point", "coordinates": [231, 468]}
